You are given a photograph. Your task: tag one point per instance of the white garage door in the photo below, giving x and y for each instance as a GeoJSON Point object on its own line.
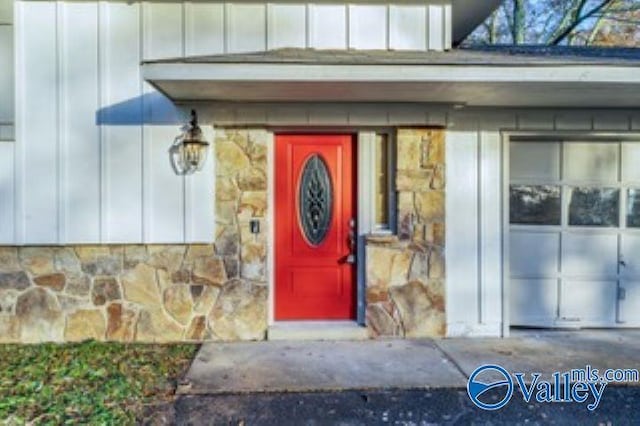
{"type": "Point", "coordinates": [574, 212]}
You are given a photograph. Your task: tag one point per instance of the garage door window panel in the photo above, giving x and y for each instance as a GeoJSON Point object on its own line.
{"type": "Point", "coordinates": [535, 161]}
{"type": "Point", "coordinates": [535, 205]}
{"type": "Point", "coordinates": [591, 161]}
{"type": "Point", "coordinates": [591, 206]}
{"type": "Point", "coordinates": [630, 161]}
{"type": "Point", "coordinates": [535, 196]}
{"type": "Point", "coordinates": [633, 208]}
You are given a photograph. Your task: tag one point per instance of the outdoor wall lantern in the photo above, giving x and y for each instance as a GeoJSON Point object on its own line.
{"type": "Point", "coordinates": [189, 151]}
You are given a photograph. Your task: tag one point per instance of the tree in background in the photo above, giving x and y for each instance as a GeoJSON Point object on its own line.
{"type": "Point", "coordinates": [562, 22]}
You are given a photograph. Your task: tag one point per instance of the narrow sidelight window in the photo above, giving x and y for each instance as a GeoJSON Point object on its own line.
{"type": "Point", "coordinates": [383, 181]}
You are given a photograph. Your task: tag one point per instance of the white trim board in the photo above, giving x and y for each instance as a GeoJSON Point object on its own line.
{"type": "Point", "coordinates": [578, 86]}
{"type": "Point", "coordinates": [194, 72]}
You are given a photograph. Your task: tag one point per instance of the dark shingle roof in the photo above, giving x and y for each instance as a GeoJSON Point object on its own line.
{"type": "Point", "coordinates": [475, 55]}
{"type": "Point", "coordinates": [566, 53]}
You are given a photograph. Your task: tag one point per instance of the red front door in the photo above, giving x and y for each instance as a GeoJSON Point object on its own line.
{"type": "Point", "coordinates": [315, 221]}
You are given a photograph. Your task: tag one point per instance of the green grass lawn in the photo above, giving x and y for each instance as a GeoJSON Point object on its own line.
{"type": "Point", "coordinates": [90, 382]}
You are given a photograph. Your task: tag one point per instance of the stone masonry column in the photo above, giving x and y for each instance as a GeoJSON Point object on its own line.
{"type": "Point", "coordinates": [405, 273]}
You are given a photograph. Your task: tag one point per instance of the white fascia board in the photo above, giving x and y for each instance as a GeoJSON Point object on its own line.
{"type": "Point", "coordinates": [251, 72]}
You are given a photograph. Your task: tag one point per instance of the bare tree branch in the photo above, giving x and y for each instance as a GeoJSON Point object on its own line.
{"type": "Point", "coordinates": [553, 22]}
{"type": "Point", "coordinates": [578, 19]}
{"type": "Point", "coordinates": [598, 25]}
{"type": "Point", "coordinates": [492, 28]}
{"type": "Point", "coordinates": [518, 32]}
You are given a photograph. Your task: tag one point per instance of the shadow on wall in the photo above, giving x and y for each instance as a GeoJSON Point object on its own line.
{"type": "Point", "coordinates": [150, 108]}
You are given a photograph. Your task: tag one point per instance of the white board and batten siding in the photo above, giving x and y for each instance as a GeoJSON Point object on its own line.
{"type": "Point", "coordinates": [6, 67]}
{"type": "Point", "coordinates": [474, 206]}
{"type": "Point", "coordinates": [7, 145]}
{"type": "Point", "coordinates": [92, 152]}
{"type": "Point", "coordinates": [91, 162]}
{"type": "Point", "coordinates": [211, 28]}
{"type": "Point", "coordinates": [6, 71]}
{"type": "Point", "coordinates": [7, 192]}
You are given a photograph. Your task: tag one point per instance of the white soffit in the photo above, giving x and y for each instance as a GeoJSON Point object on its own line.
{"type": "Point", "coordinates": [472, 85]}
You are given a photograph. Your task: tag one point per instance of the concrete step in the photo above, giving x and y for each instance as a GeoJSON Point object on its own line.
{"type": "Point", "coordinates": [317, 330]}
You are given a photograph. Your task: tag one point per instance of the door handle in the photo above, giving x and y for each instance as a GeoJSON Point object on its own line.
{"type": "Point", "coordinates": [351, 258]}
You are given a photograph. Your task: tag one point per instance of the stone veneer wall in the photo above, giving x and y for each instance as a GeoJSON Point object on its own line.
{"type": "Point", "coordinates": [125, 293]}
{"type": "Point", "coordinates": [405, 273]}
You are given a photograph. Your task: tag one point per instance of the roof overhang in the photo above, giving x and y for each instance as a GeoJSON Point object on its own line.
{"type": "Point", "coordinates": [473, 85]}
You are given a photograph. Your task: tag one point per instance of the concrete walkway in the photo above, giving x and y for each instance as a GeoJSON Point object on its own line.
{"type": "Point", "coordinates": [303, 366]}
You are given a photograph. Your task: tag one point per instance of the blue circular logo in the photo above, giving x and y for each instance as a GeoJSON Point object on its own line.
{"type": "Point", "coordinates": [484, 379]}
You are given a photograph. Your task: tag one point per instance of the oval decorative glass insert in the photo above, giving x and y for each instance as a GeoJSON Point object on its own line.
{"type": "Point", "coordinates": [315, 200]}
